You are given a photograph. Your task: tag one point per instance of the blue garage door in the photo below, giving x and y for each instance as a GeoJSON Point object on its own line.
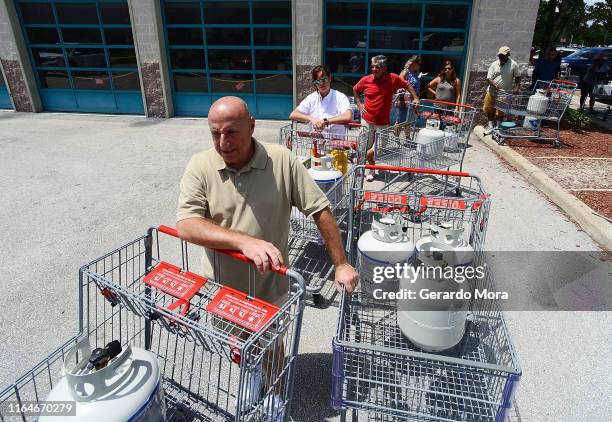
{"type": "Point", "coordinates": [356, 31]}
{"type": "Point", "coordinates": [83, 55]}
{"type": "Point", "coordinates": [218, 48]}
{"type": "Point", "coordinates": [5, 101]}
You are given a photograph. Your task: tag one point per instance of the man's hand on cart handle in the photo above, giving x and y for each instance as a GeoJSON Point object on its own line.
{"type": "Point", "coordinates": [317, 124]}
{"type": "Point", "coordinates": [346, 277]}
{"type": "Point", "coordinates": [262, 253]}
{"type": "Point", "coordinates": [203, 232]}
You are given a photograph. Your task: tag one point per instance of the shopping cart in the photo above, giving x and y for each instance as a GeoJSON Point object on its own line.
{"type": "Point", "coordinates": [347, 149]}
{"type": "Point", "coordinates": [434, 135]}
{"type": "Point", "coordinates": [303, 141]}
{"type": "Point", "coordinates": [525, 113]}
{"type": "Point", "coordinates": [603, 94]}
{"type": "Point", "coordinates": [513, 416]}
{"type": "Point", "coordinates": [378, 371]}
{"type": "Point", "coordinates": [212, 358]}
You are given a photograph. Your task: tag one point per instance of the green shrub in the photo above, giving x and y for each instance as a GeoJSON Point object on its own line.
{"type": "Point", "coordinates": [576, 120]}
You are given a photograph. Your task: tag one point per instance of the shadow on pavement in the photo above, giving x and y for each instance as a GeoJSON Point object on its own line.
{"type": "Point", "coordinates": [312, 391]}
{"type": "Point", "coordinates": [147, 122]}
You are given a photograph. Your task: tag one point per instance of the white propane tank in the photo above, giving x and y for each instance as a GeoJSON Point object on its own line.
{"type": "Point", "coordinates": [532, 123]}
{"type": "Point", "coordinates": [451, 138]}
{"type": "Point", "coordinates": [127, 388]}
{"type": "Point", "coordinates": [325, 175]}
{"type": "Point", "coordinates": [435, 325]}
{"type": "Point", "coordinates": [430, 140]}
{"type": "Point", "coordinates": [538, 103]}
{"type": "Point", "coordinates": [384, 245]}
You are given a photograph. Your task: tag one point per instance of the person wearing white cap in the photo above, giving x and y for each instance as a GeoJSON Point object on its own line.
{"type": "Point", "coordinates": [503, 74]}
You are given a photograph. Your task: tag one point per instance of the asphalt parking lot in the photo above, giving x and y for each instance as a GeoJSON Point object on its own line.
{"type": "Point", "coordinates": [73, 187]}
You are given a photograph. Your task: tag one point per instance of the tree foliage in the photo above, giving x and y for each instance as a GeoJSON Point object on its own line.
{"type": "Point", "coordinates": [600, 14]}
{"type": "Point", "coordinates": [565, 21]}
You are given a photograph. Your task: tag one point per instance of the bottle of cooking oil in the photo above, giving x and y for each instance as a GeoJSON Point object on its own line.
{"type": "Point", "coordinates": [340, 159]}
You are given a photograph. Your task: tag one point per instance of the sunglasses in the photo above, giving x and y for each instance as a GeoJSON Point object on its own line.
{"type": "Point", "coordinates": [321, 81]}
{"type": "Point", "coordinates": [448, 68]}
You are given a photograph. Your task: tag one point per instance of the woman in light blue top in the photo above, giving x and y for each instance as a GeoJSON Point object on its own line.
{"type": "Point", "coordinates": [404, 99]}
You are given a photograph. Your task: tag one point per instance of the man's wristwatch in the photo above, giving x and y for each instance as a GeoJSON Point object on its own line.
{"type": "Point", "coordinates": [326, 121]}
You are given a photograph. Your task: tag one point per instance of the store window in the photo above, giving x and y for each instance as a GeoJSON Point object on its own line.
{"type": "Point", "coordinates": [357, 31]}
{"type": "Point", "coordinates": [81, 46]}
{"type": "Point", "coordinates": [229, 47]}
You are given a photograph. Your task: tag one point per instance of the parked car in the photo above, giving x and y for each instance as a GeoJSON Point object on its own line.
{"type": "Point", "coordinates": [578, 62]}
{"type": "Point", "coordinates": [563, 52]}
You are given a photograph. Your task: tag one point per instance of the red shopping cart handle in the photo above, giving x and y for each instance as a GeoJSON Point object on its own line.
{"type": "Point", "coordinates": [565, 82]}
{"type": "Point", "coordinates": [234, 254]}
{"type": "Point", "coordinates": [416, 170]}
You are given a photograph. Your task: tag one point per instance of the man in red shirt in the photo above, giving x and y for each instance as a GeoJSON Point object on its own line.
{"type": "Point", "coordinates": [378, 89]}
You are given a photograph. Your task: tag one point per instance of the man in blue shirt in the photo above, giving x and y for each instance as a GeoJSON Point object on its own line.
{"type": "Point", "coordinates": [546, 69]}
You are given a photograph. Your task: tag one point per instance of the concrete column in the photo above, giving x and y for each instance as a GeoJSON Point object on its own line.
{"type": "Point", "coordinates": [15, 60]}
{"type": "Point", "coordinates": [151, 56]}
{"type": "Point", "coordinates": [496, 23]}
{"type": "Point", "coordinates": [307, 44]}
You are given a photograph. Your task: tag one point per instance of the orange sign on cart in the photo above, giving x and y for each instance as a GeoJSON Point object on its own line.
{"type": "Point", "coordinates": [237, 307]}
{"type": "Point", "coordinates": [171, 280]}
{"type": "Point", "coordinates": [446, 203]}
{"type": "Point", "coordinates": [387, 198]}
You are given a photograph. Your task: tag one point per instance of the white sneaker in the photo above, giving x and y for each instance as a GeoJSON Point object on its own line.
{"type": "Point", "coordinates": [251, 393]}
{"type": "Point", "coordinates": [273, 408]}
{"type": "Point", "coordinates": [489, 129]}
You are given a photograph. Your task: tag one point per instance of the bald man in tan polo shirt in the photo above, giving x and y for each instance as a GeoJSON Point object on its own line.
{"type": "Point", "coordinates": [238, 195]}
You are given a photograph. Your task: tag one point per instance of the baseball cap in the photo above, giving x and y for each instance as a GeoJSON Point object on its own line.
{"type": "Point", "coordinates": [505, 50]}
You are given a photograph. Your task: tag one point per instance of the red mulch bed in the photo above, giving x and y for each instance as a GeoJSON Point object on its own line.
{"type": "Point", "coordinates": [593, 142]}
{"type": "Point", "coordinates": [601, 202]}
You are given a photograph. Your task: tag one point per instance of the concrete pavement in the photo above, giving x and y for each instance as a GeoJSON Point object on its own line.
{"type": "Point", "coordinates": [598, 228]}
{"type": "Point", "coordinates": [73, 187]}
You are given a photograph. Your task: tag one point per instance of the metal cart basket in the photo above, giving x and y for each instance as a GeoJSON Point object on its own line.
{"type": "Point", "coordinates": [525, 112]}
{"type": "Point", "coordinates": [306, 251]}
{"type": "Point", "coordinates": [347, 149]}
{"type": "Point", "coordinates": [401, 145]}
{"type": "Point", "coordinates": [215, 366]}
{"type": "Point", "coordinates": [603, 94]}
{"type": "Point", "coordinates": [378, 371]}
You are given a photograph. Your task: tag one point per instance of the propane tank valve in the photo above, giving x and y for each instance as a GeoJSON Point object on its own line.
{"type": "Point", "coordinates": [100, 357]}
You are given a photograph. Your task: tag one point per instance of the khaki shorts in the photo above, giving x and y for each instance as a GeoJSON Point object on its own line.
{"type": "Point", "coordinates": [372, 129]}
{"type": "Point", "coordinates": [489, 105]}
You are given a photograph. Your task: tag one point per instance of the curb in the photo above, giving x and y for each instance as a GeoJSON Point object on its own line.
{"type": "Point", "coordinates": [596, 227]}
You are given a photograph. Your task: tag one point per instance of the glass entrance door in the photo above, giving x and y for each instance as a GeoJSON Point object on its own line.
{"type": "Point", "coordinates": [356, 31]}
{"type": "Point", "coordinates": [83, 55]}
{"type": "Point", "coordinates": [219, 48]}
